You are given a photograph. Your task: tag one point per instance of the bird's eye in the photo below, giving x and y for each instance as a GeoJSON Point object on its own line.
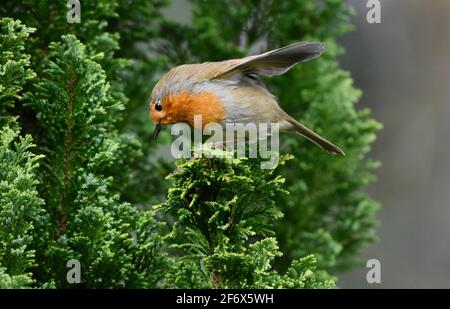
{"type": "Point", "coordinates": [158, 106]}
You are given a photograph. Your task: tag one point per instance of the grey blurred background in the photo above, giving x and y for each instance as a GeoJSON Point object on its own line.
{"type": "Point", "coordinates": [403, 67]}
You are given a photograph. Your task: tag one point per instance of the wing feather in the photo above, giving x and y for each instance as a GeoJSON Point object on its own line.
{"type": "Point", "coordinates": [275, 62]}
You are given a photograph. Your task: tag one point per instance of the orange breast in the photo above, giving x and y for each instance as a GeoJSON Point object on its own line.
{"type": "Point", "coordinates": [183, 106]}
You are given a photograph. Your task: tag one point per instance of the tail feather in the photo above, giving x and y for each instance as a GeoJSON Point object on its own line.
{"type": "Point", "coordinates": [316, 138]}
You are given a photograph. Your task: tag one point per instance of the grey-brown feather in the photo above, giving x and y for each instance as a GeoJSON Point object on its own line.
{"type": "Point", "coordinates": [314, 137]}
{"type": "Point", "coordinates": [275, 62]}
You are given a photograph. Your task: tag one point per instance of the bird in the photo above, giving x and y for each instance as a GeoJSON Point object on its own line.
{"type": "Point", "coordinates": [231, 91]}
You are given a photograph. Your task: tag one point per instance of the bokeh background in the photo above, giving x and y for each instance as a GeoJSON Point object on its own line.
{"type": "Point", "coordinates": [403, 67]}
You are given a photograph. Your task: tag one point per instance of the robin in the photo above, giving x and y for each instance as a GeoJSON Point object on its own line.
{"type": "Point", "coordinates": [231, 91]}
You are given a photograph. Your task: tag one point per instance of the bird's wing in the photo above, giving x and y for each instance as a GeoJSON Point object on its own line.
{"type": "Point", "coordinates": [275, 62]}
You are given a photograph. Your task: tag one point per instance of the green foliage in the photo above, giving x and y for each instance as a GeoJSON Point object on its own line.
{"type": "Point", "coordinates": [13, 282]}
{"type": "Point", "coordinates": [14, 63]}
{"type": "Point", "coordinates": [87, 189]}
{"type": "Point", "coordinates": [73, 108]}
{"type": "Point", "coordinates": [21, 213]}
{"type": "Point", "coordinates": [224, 212]}
{"type": "Point", "coordinates": [74, 105]}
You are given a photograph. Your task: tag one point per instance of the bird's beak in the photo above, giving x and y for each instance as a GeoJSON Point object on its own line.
{"type": "Point", "coordinates": [157, 129]}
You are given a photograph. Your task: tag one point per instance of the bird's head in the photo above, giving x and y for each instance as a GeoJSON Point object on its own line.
{"type": "Point", "coordinates": [165, 107]}
{"type": "Point", "coordinates": [171, 104]}
{"type": "Point", "coordinates": [158, 116]}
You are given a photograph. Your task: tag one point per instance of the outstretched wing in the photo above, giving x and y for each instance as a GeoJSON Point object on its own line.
{"type": "Point", "coordinates": [275, 62]}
